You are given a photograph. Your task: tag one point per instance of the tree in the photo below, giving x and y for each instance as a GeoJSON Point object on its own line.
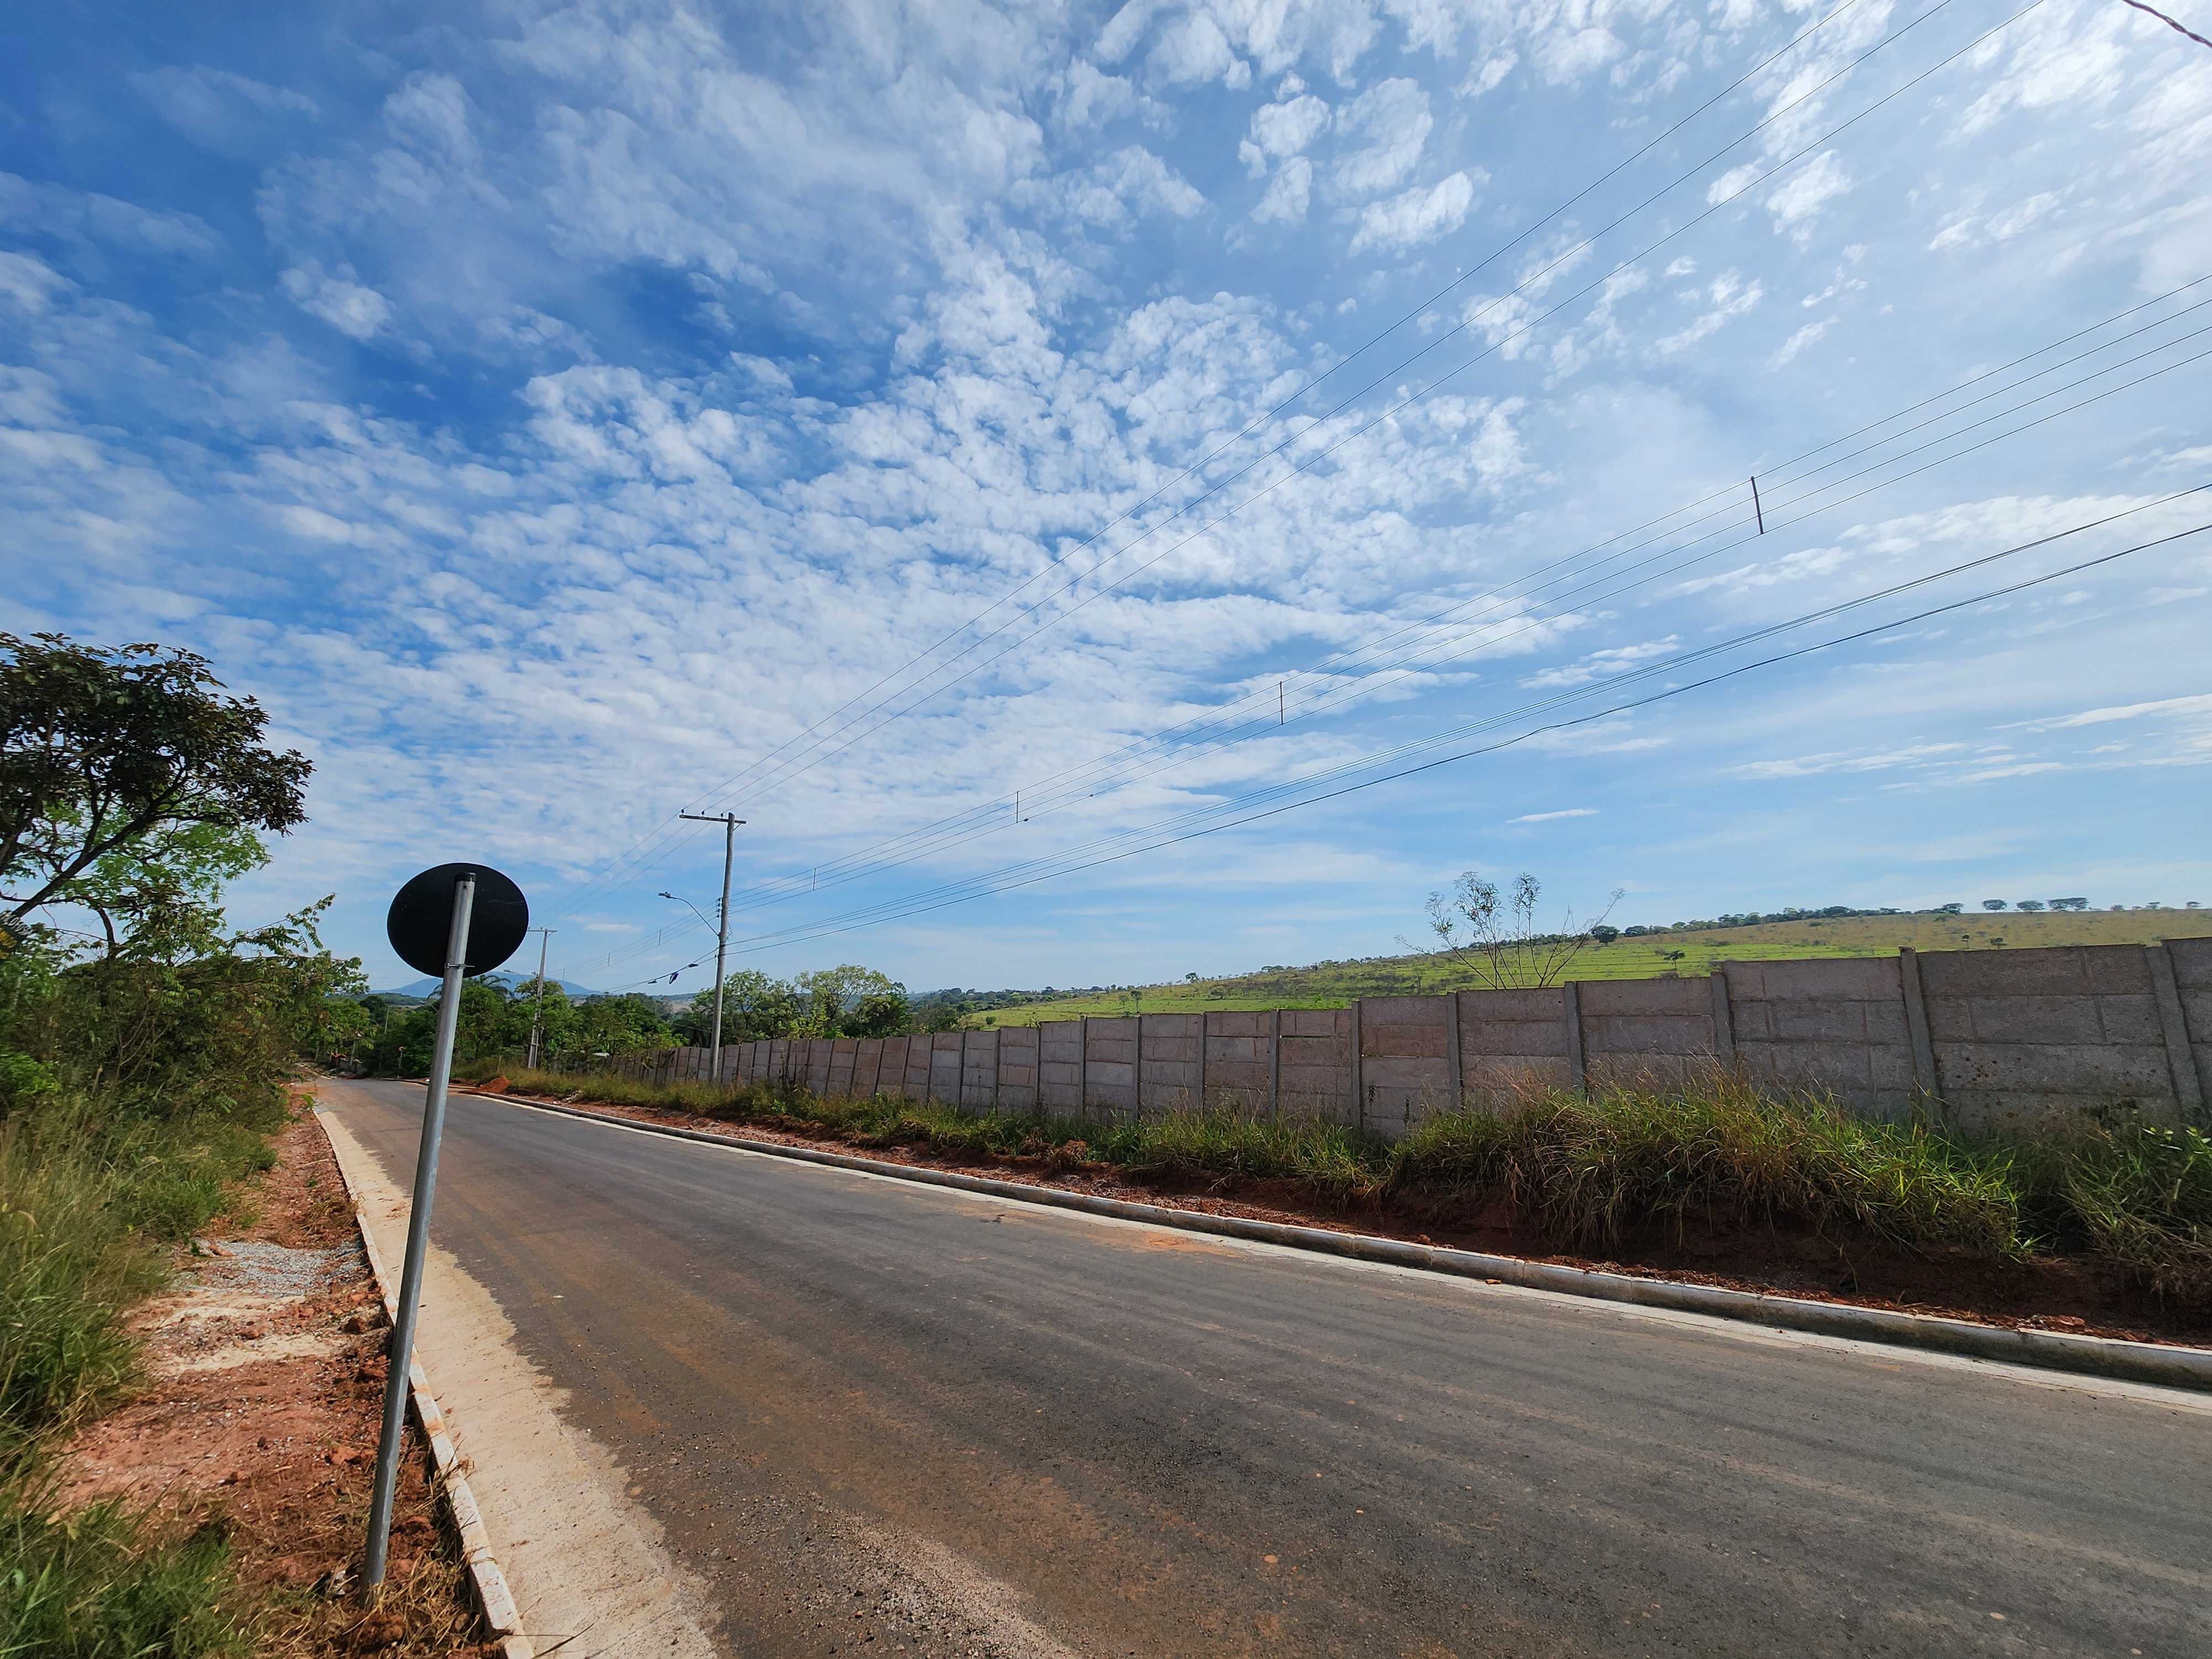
{"type": "Point", "coordinates": [2029, 905]}
{"type": "Point", "coordinates": [1604, 935]}
{"type": "Point", "coordinates": [1948, 909]}
{"type": "Point", "coordinates": [117, 769]}
{"type": "Point", "coordinates": [1494, 933]}
{"type": "Point", "coordinates": [830, 998]}
{"type": "Point", "coordinates": [1993, 904]}
{"type": "Point", "coordinates": [754, 1007]}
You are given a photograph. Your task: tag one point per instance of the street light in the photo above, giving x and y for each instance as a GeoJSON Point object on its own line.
{"type": "Point", "coordinates": [688, 905]}
{"type": "Point", "coordinates": [731, 824]}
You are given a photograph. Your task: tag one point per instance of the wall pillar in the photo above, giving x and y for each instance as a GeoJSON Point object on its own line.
{"type": "Point", "coordinates": [1358, 1070]}
{"type": "Point", "coordinates": [1916, 1024]}
{"type": "Point", "coordinates": [1458, 1060]}
{"type": "Point", "coordinates": [1723, 1017]}
{"type": "Point", "coordinates": [1275, 1065]}
{"type": "Point", "coordinates": [1571, 1008]}
{"type": "Point", "coordinates": [1201, 1060]}
{"type": "Point", "coordinates": [1138, 1081]}
{"type": "Point", "coordinates": [2174, 1021]}
{"type": "Point", "coordinates": [1082, 1066]}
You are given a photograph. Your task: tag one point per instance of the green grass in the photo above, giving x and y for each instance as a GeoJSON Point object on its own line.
{"type": "Point", "coordinates": [88, 1202]}
{"type": "Point", "coordinates": [1334, 985]}
{"type": "Point", "coordinates": [1715, 1157]}
{"type": "Point", "coordinates": [105, 1582]}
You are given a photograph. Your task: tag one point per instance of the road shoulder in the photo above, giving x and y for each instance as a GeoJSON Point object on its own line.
{"type": "Point", "coordinates": [586, 1563]}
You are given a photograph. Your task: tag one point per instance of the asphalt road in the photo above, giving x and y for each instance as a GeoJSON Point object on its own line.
{"type": "Point", "coordinates": [848, 1400]}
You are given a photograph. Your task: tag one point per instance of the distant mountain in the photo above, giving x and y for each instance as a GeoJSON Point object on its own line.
{"type": "Point", "coordinates": [422, 989]}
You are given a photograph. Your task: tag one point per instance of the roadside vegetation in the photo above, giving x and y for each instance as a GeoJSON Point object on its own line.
{"type": "Point", "coordinates": [1619, 1169]}
{"type": "Point", "coordinates": [497, 1016]}
{"type": "Point", "coordinates": [145, 1051]}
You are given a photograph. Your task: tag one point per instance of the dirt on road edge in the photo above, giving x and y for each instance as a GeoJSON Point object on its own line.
{"type": "Point", "coordinates": [265, 1386]}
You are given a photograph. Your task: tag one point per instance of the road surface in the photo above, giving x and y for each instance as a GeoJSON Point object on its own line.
{"type": "Point", "coordinates": [872, 1417]}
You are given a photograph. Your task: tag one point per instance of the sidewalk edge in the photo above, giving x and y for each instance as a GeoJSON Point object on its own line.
{"type": "Point", "coordinates": [494, 1600]}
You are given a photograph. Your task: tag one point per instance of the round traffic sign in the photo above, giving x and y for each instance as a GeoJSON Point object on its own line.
{"type": "Point", "coordinates": [421, 920]}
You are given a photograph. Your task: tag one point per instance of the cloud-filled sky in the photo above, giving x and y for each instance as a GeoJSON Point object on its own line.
{"type": "Point", "coordinates": [987, 448]}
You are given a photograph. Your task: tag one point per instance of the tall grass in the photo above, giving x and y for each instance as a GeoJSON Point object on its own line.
{"type": "Point", "coordinates": [1718, 1156]}
{"type": "Point", "coordinates": [1714, 1155]}
{"type": "Point", "coordinates": [89, 1201]}
{"type": "Point", "coordinates": [101, 1584]}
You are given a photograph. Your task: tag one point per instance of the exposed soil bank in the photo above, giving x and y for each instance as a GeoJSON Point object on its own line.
{"type": "Point", "coordinates": [264, 1385]}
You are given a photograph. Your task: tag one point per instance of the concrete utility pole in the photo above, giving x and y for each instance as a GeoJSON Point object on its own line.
{"type": "Point", "coordinates": [730, 823]}
{"type": "Point", "coordinates": [538, 1014]}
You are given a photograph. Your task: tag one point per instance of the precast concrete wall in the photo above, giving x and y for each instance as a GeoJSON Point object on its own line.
{"type": "Point", "coordinates": [1989, 1040]}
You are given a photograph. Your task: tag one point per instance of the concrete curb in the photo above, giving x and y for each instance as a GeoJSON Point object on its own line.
{"type": "Point", "coordinates": [494, 1599]}
{"type": "Point", "coordinates": [2162, 1363]}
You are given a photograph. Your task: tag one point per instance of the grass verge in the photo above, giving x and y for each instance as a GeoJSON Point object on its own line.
{"type": "Point", "coordinates": [88, 1203]}
{"type": "Point", "coordinates": [1718, 1158]}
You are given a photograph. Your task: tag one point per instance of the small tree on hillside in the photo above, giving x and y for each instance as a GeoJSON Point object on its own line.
{"type": "Point", "coordinates": [1993, 904]}
{"type": "Point", "coordinates": [1493, 932]}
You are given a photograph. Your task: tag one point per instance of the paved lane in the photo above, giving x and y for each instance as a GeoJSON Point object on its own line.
{"type": "Point", "coordinates": [1103, 1439]}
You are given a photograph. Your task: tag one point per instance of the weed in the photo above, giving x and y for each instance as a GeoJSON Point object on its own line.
{"type": "Point", "coordinates": [105, 1582]}
{"type": "Point", "coordinates": [1715, 1155]}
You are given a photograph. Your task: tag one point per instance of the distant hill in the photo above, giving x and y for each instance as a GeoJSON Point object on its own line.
{"type": "Point", "coordinates": [1654, 952]}
{"type": "Point", "coordinates": [423, 989]}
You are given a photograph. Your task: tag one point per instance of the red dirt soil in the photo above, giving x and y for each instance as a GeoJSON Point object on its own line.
{"type": "Point", "coordinates": [261, 1410]}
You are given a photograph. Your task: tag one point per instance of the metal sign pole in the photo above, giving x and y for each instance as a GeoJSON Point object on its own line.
{"type": "Point", "coordinates": [402, 1350]}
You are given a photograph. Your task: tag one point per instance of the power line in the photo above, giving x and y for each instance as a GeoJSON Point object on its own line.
{"type": "Point", "coordinates": [941, 839]}
{"type": "Point", "coordinates": [1302, 467]}
{"type": "Point", "coordinates": [798, 935]}
{"type": "Point", "coordinates": [638, 849]}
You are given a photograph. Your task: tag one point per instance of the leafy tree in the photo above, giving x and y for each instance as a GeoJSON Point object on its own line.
{"type": "Point", "coordinates": [1993, 904]}
{"type": "Point", "coordinates": [128, 784]}
{"type": "Point", "coordinates": [830, 998]}
{"type": "Point", "coordinates": [881, 1013]}
{"type": "Point", "coordinates": [2031, 905]}
{"type": "Point", "coordinates": [1948, 909]}
{"type": "Point", "coordinates": [754, 1008]}
{"type": "Point", "coordinates": [1604, 935]}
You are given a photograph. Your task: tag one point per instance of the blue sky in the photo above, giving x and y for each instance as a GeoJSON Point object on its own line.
{"type": "Point", "coordinates": [565, 417]}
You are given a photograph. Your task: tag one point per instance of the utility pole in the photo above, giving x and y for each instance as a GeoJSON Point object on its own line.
{"type": "Point", "coordinates": [730, 823]}
{"type": "Point", "coordinates": [538, 1014]}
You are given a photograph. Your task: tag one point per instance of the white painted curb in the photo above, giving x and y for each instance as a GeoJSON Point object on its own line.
{"type": "Point", "coordinates": [494, 1599]}
{"type": "Point", "coordinates": [2164, 1364]}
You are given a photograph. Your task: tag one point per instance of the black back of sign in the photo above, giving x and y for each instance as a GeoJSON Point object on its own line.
{"type": "Point", "coordinates": [421, 919]}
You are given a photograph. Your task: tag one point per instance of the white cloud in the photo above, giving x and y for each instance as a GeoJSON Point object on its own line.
{"type": "Point", "coordinates": [1385, 129]}
{"type": "Point", "coordinates": [1126, 186]}
{"type": "Point", "coordinates": [2164, 705]}
{"type": "Point", "coordinates": [353, 310]}
{"type": "Point", "coordinates": [1603, 665]}
{"type": "Point", "coordinates": [29, 282]}
{"type": "Point", "coordinates": [1731, 184]}
{"type": "Point", "coordinates": [1417, 218]}
{"type": "Point", "coordinates": [1787, 351]}
{"type": "Point", "coordinates": [1490, 73]}
{"type": "Point", "coordinates": [1195, 50]}
{"type": "Point", "coordinates": [1730, 296]}
{"type": "Point", "coordinates": [1547, 817]}
{"type": "Point", "coordinates": [229, 113]}
{"type": "Point", "coordinates": [1284, 129]}
{"type": "Point", "coordinates": [1287, 193]}
{"type": "Point", "coordinates": [1800, 198]}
